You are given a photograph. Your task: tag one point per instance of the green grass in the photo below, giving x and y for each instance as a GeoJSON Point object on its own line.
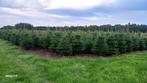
{"type": "Point", "coordinates": [34, 69]}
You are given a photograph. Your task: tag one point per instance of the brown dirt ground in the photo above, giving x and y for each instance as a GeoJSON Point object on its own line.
{"type": "Point", "coordinates": [46, 53]}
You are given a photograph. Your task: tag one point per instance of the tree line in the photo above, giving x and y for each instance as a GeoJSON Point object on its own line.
{"type": "Point", "coordinates": [115, 28]}
{"type": "Point", "coordinates": [71, 43]}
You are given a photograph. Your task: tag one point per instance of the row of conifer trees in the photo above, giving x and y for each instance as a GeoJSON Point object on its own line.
{"type": "Point", "coordinates": [77, 42]}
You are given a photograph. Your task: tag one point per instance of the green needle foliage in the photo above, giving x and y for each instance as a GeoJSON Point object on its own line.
{"type": "Point", "coordinates": [104, 41]}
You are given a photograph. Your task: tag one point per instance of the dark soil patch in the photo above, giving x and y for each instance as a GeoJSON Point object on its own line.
{"type": "Point", "coordinates": [46, 53]}
{"type": "Point", "coordinates": [42, 52]}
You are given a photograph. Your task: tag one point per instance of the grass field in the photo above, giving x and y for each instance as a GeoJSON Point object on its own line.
{"type": "Point", "coordinates": [131, 68]}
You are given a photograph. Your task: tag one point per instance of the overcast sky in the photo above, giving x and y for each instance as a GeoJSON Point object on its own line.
{"type": "Point", "coordinates": [73, 12]}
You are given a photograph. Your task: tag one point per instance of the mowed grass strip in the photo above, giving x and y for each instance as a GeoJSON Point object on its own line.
{"type": "Point", "coordinates": [26, 68]}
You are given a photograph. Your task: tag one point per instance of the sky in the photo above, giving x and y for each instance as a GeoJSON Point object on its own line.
{"type": "Point", "coordinates": [72, 12]}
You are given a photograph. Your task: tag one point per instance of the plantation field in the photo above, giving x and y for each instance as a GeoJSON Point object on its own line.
{"type": "Point", "coordinates": [71, 43]}
{"type": "Point", "coordinates": [25, 68]}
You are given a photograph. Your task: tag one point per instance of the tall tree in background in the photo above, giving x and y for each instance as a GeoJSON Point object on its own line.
{"type": "Point", "coordinates": [24, 26]}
